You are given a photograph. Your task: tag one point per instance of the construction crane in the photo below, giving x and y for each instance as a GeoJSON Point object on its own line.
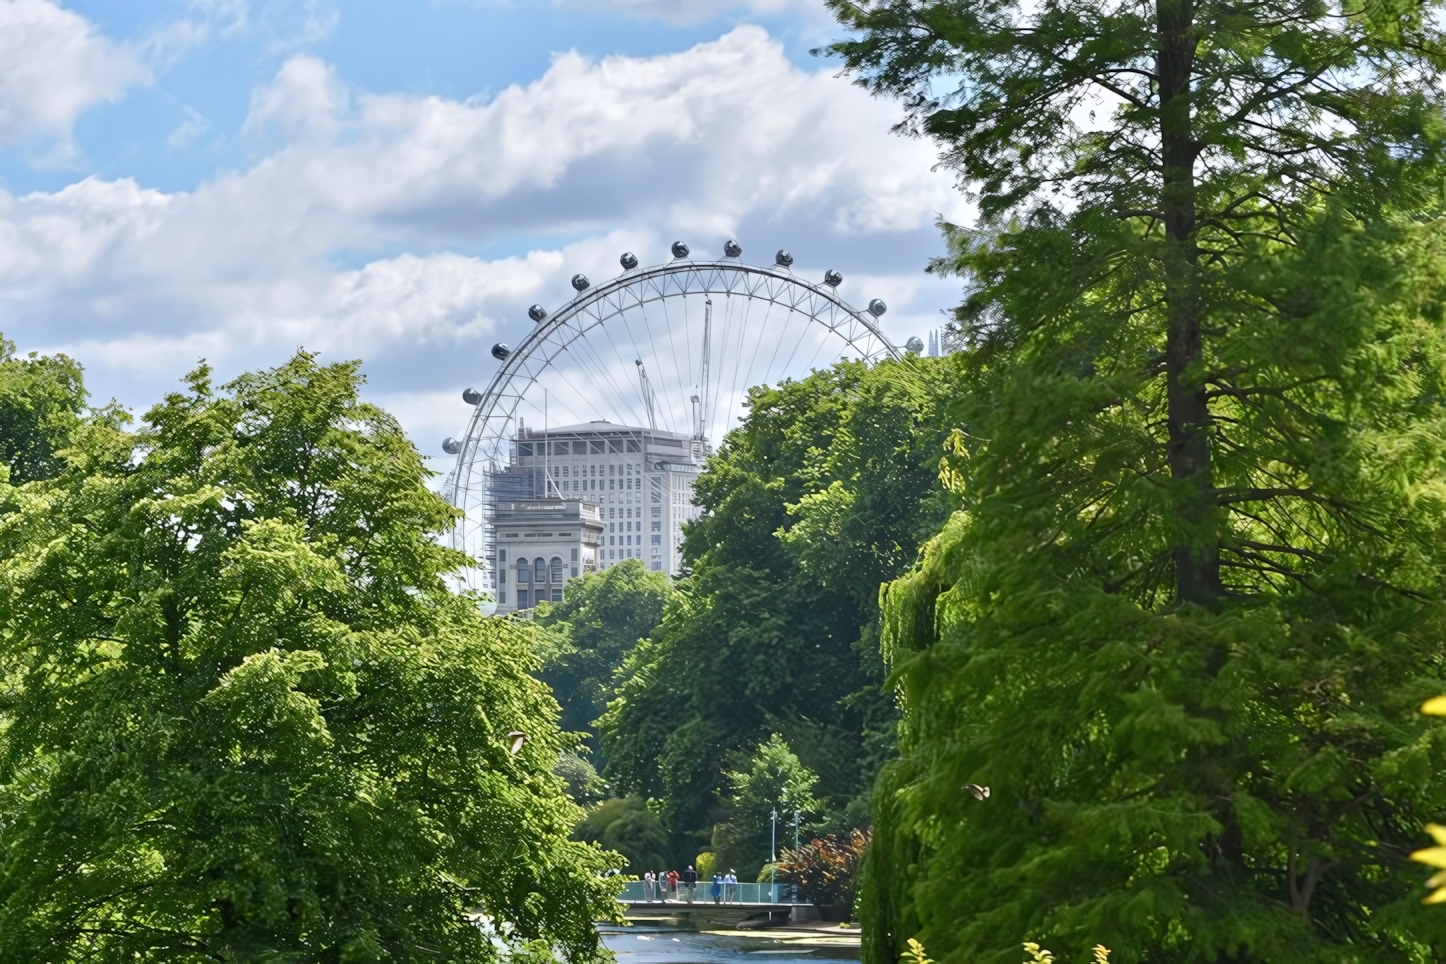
{"type": "Point", "coordinates": [648, 398]}
{"type": "Point", "coordinates": [700, 401]}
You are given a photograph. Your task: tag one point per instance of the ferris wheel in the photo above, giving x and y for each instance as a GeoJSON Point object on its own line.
{"type": "Point", "coordinates": [657, 359]}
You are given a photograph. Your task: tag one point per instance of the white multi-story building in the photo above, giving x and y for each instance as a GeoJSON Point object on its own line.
{"type": "Point", "coordinates": [541, 543]}
{"type": "Point", "coordinates": [638, 481]}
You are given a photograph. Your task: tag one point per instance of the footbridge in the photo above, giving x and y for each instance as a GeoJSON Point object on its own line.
{"type": "Point", "coordinates": [654, 898]}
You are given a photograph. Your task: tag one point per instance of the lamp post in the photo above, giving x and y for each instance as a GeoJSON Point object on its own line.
{"type": "Point", "coordinates": [773, 850]}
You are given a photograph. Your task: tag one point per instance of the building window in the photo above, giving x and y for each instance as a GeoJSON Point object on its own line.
{"type": "Point", "coordinates": [501, 555]}
{"type": "Point", "coordinates": [557, 595]}
{"type": "Point", "coordinates": [539, 570]}
{"type": "Point", "coordinates": [502, 597]}
{"type": "Point", "coordinates": [501, 577]}
{"type": "Point", "coordinates": [522, 599]}
{"type": "Point", "coordinates": [557, 570]}
{"type": "Point", "coordinates": [657, 567]}
{"type": "Point", "coordinates": [524, 571]}
{"type": "Point", "coordinates": [657, 540]}
{"type": "Point", "coordinates": [574, 556]}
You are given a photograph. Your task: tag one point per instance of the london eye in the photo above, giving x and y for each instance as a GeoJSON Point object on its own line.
{"type": "Point", "coordinates": [580, 447]}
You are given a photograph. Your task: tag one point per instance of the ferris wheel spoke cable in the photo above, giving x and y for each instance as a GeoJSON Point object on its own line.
{"type": "Point", "coordinates": [753, 359]}
{"type": "Point", "coordinates": [637, 352]}
{"type": "Point", "coordinates": [671, 328]}
{"type": "Point", "coordinates": [801, 336]}
{"type": "Point", "coordinates": [605, 379]}
{"type": "Point", "coordinates": [773, 359]}
{"type": "Point", "coordinates": [580, 370]}
{"type": "Point", "coordinates": [662, 380]}
{"type": "Point", "coordinates": [742, 377]}
{"type": "Point", "coordinates": [619, 355]}
{"type": "Point", "coordinates": [731, 324]}
{"type": "Point", "coordinates": [615, 395]}
{"type": "Point", "coordinates": [625, 403]}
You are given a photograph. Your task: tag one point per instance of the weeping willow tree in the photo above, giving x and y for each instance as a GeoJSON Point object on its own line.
{"type": "Point", "coordinates": [1184, 614]}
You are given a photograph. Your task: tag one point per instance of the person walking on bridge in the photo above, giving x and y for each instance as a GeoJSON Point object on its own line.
{"type": "Point", "coordinates": [673, 883]}
{"type": "Point", "coordinates": [717, 887]}
{"type": "Point", "coordinates": [690, 880]}
{"type": "Point", "coordinates": [649, 886]}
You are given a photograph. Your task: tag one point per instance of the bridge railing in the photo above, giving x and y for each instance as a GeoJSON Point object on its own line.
{"type": "Point", "coordinates": [643, 892]}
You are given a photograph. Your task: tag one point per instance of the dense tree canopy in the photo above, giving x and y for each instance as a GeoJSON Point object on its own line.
{"type": "Point", "coordinates": [41, 400]}
{"type": "Point", "coordinates": [765, 794]}
{"type": "Point", "coordinates": [245, 719]}
{"type": "Point", "coordinates": [1189, 602]}
{"type": "Point", "coordinates": [587, 636]}
{"type": "Point", "coordinates": [824, 491]}
{"type": "Point", "coordinates": [1131, 160]}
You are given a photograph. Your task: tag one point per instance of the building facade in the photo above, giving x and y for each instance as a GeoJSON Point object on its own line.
{"type": "Point", "coordinates": [637, 481]}
{"type": "Point", "coordinates": [540, 544]}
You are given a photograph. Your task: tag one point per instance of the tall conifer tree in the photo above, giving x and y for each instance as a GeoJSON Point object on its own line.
{"type": "Point", "coordinates": [1187, 607]}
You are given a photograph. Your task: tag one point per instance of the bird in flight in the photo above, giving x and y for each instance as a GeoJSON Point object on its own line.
{"type": "Point", "coordinates": [518, 738]}
{"type": "Point", "coordinates": [980, 793]}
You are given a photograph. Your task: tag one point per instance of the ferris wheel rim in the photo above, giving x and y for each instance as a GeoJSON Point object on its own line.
{"type": "Point", "coordinates": [818, 303]}
{"type": "Point", "coordinates": [543, 331]}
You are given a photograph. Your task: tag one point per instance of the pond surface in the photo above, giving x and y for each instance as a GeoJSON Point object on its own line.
{"type": "Point", "coordinates": [650, 943]}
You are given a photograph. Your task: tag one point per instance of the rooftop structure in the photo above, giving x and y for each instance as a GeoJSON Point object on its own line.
{"type": "Point", "coordinates": [628, 488]}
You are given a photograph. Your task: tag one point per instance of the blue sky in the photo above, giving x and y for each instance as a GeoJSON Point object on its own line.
{"type": "Point", "coordinates": [232, 179]}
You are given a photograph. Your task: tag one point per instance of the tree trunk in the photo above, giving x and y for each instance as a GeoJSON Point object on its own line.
{"type": "Point", "coordinates": [1197, 551]}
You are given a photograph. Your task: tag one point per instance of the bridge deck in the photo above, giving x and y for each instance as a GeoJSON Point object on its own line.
{"type": "Point", "coordinates": [744, 896]}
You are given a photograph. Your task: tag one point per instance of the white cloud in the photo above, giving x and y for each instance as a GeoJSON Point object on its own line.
{"type": "Point", "coordinates": [192, 128]}
{"type": "Point", "coordinates": [54, 65]}
{"type": "Point", "coordinates": [694, 11]}
{"type": "Point", "coordinates": [350, 232]}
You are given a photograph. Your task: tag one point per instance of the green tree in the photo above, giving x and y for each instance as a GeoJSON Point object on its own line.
{"type": "Point", "coordinates": [1189, 602]}
{"type": "Point", "coordinates": [771, 781]}
{"type": "Point", "coordinates": [825, 491]}
{"type": "Point", "coordinates": [245, 719]}
{"type": "Point", "coordinates": [1128, 158]}
{"type": "Point", "coordinates": [626, 826]}
{"type": "Point", "coordinates": [588, 635]}
{"type": "Point", "coordinates": [583, 784]}
{"type": "Point", "coordinates": [41, 401]}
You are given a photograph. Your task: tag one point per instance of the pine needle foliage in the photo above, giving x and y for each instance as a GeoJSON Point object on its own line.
{"type": "Point", "coordinates": [1189, 603]}
{"type": "Point", "coordinates": [1242, 784]}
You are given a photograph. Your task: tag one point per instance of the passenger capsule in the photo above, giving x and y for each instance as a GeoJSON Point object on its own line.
{"type": "Point", "coordinates": [471, 396]}
{"type": "Point", "coordinates": [732, 249]}
{"type": "Point", "coordinates": [537, 312]}
{"type": "Point", "coordinates": [832, 278]}
{"type": "Point", "coordinates": [451, 446]}
{"type": "Point", "coordinates": [501, 351]}
{"type": "Point", "coordinates": [680, 250]}
{"type": "Point", "coordinates": [783, 258]}
{"type": "Point", "coordinates": [580, 282]}
{"type": "Point", "coordinates": [629, 261]}
{"type": "Point", "coordinates": [914, 345]}
{"type": "Point", "coordinates": [877, 307]}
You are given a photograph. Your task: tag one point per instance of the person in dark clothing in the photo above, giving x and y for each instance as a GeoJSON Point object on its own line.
{"type": "Point", "coordinates": [690, 878]}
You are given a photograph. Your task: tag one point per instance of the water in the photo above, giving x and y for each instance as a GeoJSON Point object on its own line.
{"type": "Point", "coordinates": [649, 943]}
